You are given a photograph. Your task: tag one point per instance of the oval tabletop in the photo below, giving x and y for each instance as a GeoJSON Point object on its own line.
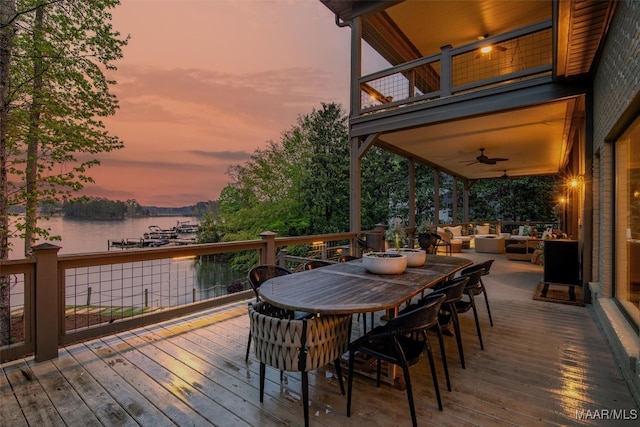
{"type": "Point", "coordinates": [346, 288]}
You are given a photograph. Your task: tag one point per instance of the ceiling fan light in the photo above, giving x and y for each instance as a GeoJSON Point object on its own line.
{"type": "Point", "coordinates": [486, 49]}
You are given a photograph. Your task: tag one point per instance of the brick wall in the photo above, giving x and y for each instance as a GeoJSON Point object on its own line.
{"type": "Point", "coordinates": [616, 83]}
{"type": "Point", "coordinates": [617, 78]}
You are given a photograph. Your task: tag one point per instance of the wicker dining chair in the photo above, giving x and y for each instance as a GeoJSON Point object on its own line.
{"type": "Point", "coordinates": [256, 277]}
{"type": "Point", "coordinates": [298, 345]}
{"type": "Point", "coordinates": [401, 342]}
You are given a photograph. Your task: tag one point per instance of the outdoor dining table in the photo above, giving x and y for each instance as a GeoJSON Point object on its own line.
{"type": "Point", "coordinates": [348, 288]}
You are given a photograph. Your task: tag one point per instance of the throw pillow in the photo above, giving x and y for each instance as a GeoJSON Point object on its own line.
{"type": "Point", "coordinates": [482, 229]}
{"type": "Point", "coordinates": [457, 230]}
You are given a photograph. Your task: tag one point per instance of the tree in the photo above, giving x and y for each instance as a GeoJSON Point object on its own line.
{"type": "Point", "coordinates": [54, 94]}
{"type": "Point", "coordinates": [520, 199]}
{"type": "Point", "coordinates": [62, 49]}
{"type": "Point", "coordinates": [385, 187]}
{"type": "Point", "coordinates": [325, 172]}
{"type": "Point", "coordinates": [7, 33]}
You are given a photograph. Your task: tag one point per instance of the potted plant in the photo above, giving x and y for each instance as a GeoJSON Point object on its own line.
{"type": "Point", "coordinates": [423, 231]}
{"type": "Point", "coordinates": [397, 238]}
{"type": "Point", "coordinates": [396, 235]}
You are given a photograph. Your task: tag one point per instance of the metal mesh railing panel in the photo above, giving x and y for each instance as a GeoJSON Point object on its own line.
{"type": "Point", "coordinates": [506, 57]}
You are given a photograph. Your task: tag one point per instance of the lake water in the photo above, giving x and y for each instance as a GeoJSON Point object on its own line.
{"type": "Point", "coordinates": [139, 285]}
{"type": "Point", "coordinates": [83, 236]}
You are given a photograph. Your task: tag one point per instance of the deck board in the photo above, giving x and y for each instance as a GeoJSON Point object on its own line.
{"type": "Point", "coordinates": [542, 362]}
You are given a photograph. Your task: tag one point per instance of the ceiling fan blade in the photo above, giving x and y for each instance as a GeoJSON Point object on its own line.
{"type": "Point", "coordinates": [498, 159]}
{"type": "Point", "coordinates": [489, 162]}
{"type": "Point", "coordinates": [500, 48]}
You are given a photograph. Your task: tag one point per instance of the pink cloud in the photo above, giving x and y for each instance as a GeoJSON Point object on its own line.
{"type": "Point", "coordinates": [205, 83]}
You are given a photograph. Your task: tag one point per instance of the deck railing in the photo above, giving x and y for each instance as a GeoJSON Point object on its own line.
{"type": "Point", "coordinates": [56, 300]}
{"type": "Point", "coordinates": [515, 56]}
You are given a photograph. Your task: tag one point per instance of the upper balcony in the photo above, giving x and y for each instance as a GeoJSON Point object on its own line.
{"type": "Point", "coordinates": [489, 62]}
{"type": "Point", "coordinates": [510, 77]}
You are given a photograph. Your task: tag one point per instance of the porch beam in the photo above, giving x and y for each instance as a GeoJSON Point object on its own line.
{"type": "Point", "coordinates": [488, 101]}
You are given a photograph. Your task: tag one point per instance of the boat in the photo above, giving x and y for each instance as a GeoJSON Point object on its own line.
{"type": "Point", "coordinates": [186, 227]}
{"type": "Point", "coordinates": [127, 243]}
{"type": "Point", "coordinates": [156, 232]}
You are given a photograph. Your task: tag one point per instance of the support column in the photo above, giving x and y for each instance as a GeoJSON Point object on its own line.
{"type": "Point", "coordinates": [436, 196]}
{"type": "Point", "coordinates": [411, 164]}
{"type": "Point", "coordinates": [454, 205]}
{"type": "Point", "coordinates": [465, 199]}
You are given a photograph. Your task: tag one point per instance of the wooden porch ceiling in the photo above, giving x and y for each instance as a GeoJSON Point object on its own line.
{"type": "Point", "coordinates": [537, 139]}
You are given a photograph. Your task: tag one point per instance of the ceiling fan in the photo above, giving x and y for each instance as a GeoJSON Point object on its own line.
{"type": "Point", "coordinates": [488, 48]}
{"type": "Point", "coordinates": [487, 160]}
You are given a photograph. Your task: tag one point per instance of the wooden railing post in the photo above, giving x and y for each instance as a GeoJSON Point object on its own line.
{"type": "Point", "coordinates": [445, 72]}
{"type": "Point", "coordinates": [47, 305]}
{"type": "Point", "coordinates": [282, 257]}
{"type": "Point", "coordinates": [268, 254]}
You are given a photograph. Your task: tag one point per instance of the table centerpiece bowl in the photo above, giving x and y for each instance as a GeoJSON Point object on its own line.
{"type": "Point", "coordinates": [415, 257]}
{"type": "Point", "coordinates": [384, 262]}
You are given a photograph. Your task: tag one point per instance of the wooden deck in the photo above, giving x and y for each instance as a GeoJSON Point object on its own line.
{"type": "Point", "coordinates": [542, 362]}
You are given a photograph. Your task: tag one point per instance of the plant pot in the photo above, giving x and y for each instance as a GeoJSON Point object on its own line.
{"type": "Point", "coordinates": [415, 257]}
{"type": "Point", "coordinates": [424, 240]}
{"type": "Point", "coordinates": [384, 262]}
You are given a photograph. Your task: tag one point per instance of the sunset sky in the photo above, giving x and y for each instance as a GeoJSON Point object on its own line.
{"type": "Point", "coordinates": [203, 83]}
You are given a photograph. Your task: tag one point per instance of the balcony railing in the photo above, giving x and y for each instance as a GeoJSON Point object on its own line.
{"type": "Point", "coordinates": [56, 300]}
{"type": "Point", "coordinates": [518, 55]}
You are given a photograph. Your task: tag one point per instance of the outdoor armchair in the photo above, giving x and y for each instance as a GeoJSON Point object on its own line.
{"type": "Point", "coordinates": [256, 277]}
{"type": "Point", "coordinates": [298, 345]}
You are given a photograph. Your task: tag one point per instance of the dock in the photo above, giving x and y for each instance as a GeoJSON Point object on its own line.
{"type": "Point", "coordinates": [141, 242]}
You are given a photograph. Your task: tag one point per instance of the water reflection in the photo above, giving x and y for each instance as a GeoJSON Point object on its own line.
{"type": "Point", "coordinates": [215, 278]}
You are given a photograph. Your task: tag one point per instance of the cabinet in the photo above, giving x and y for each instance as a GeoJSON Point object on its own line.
{"type": "Point", "coordinates": [561, 261]}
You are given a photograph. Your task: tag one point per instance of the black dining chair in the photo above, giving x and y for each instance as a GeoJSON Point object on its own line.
{"type": "Point", "coordinates": [347, 258]}
{"type": "Point", "coordinates": [428, 241]}
{"type": "Point", "coordinates": [401, 342]}
{"type": "Point", "coordinates": [453, 290]}
{"type": "Point", "coordinates": [464, 305]}
{"type": "Point", "coordinates": [316, 263]}
{"type": "Point", "coordinates": [298, 345]}
{"type": "Point", "coordinates": [445, 241]}
{"type": "Point", "coordinates": [485, 267]}
{"type": "Point", "coordinates": [256, 277]}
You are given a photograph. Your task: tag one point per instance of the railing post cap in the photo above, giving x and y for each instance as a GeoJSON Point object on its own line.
{"type": "Point", "coordinates": [46, 247]}
{"type": "Point", "coordinates": [267, 234]}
